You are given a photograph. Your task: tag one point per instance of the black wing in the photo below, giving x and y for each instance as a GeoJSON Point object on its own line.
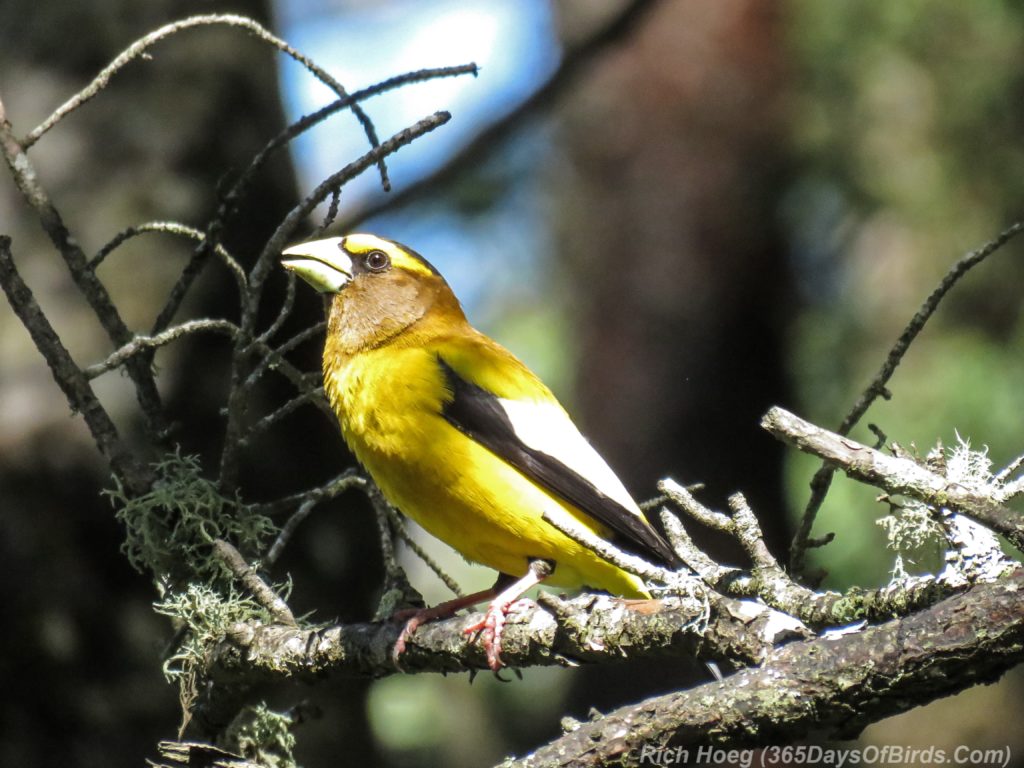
{"type": "Point", "coordinates": [478, 414]}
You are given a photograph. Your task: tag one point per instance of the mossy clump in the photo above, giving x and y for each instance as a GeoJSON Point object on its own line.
{"type": "Point", "coordinates": [171, 529]}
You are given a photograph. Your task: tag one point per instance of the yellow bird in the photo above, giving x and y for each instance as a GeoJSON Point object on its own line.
{"type": "Point", "coordinates": [460, 435]}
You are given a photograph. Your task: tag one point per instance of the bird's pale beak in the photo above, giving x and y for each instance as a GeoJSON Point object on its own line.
{"type": "Point", "coordinates": [323, 264]}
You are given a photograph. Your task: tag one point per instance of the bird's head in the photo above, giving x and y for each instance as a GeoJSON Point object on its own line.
{"type": "Point", "coordinates": [380, 287]}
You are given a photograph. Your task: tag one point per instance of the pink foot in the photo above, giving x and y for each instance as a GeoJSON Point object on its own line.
{"type": "Point", "coordinates": [492, 626]}
{"type": "Point", "coordinates": [411, 625]}
{"type": "Point", "coordinates": [416, 617]}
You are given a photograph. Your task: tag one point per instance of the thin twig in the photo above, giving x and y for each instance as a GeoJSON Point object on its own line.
{"type": "Point", "coordinates": [314, 395]}
{"type": "Point", "coordinates": [287, 531]}
{"type": "Point", "coordinates": [173, 228]}
{"type": "Point", "coordinates": [334, 487]}
{"type": "Point", "coordinates": [491, 138]}
{"type": "Point", "coordinates": [286, 229]}
{"type": "Point", "coordinates": [692, 555]}
{"type": "Point", "coordinates": [69, 377]}
{"type": "Point", "coordinates": [230, 200]}
{"type": "Point", "coordinates": [301, 380]}
{"type": "Point", "coordinates": [403, 533]}
{"type": "Point", "coordinates": [139, 47]}
{"type": "Point", "coordinates": [27, 180]}
{"type": "Point", "coordinates": [274, 355]}
{"type": "Point", "coordinates": [251, 580]}
{"type": "Point", "coordinates": [330, 216]}
{"type": "Point", "coordinates": [608, 551]}
{"type": "Point", "coordinates": [686, 501]}
{"type": "Point", "coordinates": [393, 572]}
{"type": "Point", "coordinates": [266, 261]}
{"type": "Point", "coordinates": [748, 533]}
{"type": "Point", "coordinates": [303, 124]}
{"type": "Point", "coordinates": [1006, 472]}
{"type": "Point", "coordinates": [142, 343]}
{"type": "Point", "coordinates": [283, 313]}
{"type": "Point", "coordinates": [822, 479]}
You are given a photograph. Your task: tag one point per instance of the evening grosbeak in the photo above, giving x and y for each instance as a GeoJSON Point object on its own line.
{"type": "Point", "coordinates": [461, 436]}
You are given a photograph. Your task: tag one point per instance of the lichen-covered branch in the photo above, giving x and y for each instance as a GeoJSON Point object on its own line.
{"type": "Point", "coordinates": [822, 479]}
{"type": "Point", "coordinates": [768, 581]}
{"type": "Point", "coordinates": [257, 587]}
{"type": "Point", "coordinates": [836, 685]}
{"type": "Point", "coordinates": [895, 474]}
{"type": "Point", "coordinates": [586, 629]}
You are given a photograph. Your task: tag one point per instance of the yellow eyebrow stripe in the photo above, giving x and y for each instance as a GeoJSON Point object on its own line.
{"type": "Point", "coordinates": [357, 245]}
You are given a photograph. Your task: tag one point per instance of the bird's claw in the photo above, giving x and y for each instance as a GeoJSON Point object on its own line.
{"type": "Point", "coordinates": [491, 627]}
{"type": "Point", "coordinates": [410, 627]}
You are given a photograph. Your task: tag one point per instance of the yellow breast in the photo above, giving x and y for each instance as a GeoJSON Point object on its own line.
{"type": "Point", "coordinates": [389, 403]}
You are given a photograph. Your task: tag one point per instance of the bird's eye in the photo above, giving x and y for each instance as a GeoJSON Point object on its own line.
{"type": "Point", "coordinates": [377, 261]}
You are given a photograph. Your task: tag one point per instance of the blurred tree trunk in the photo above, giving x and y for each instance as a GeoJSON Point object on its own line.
{"type": "Point", "coordinates": [675, 154]}
{"type": "Point", "coordinates": [86, 656]}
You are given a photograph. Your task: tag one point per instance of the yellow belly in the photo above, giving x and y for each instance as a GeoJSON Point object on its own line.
{"type": "Point", "coordinates": [455, 488]}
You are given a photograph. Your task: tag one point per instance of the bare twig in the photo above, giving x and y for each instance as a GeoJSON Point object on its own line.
{"type": "Point", "coordinates": [307, 384]}
{"type": "Point", "coordinates": [403, 533]}
{"type": "Point", "coordinates": [230, 200]}
{"type": "Point", "coordinates": [95, 293]}
{"type": "Point", "coordinates": [491, 138]}
{"type": "Point", "coordinates": [314, 394]}
{"type": "Point", "coordinates": [687, 502]}
{"type": "Point", "coordinates": [333, 487]}
{"type": "Point", "coordinates": [691, 554]}
{"type": "Point", "coordinates": [173, 228]}
{"type": "Point", "coordinates": [303, 124]}
{"type": "Point", "coordinates": [266, 261]}
{"type": "Point", "coordinates": [249, 579]}
{"type": "Point", "coordinates": [273, 356]}
{"type": "Point", "coordinates": [288, 530]}
{"type": "Point", "coordinates": [69, 377]}
{"type": "Point", "coordinates": [392, 570]}
{"type": "Point", "coordinates": [283, 313]}
{"type": "Point", "coordinates": [627, 562]}
{"type": "Point", "coordinates": [142, 343]}
{"type": "Point", "coordinates": [823, 477]}
{"type": "Point", "coordinates": [139, 47]}
{"type": "Point", "coordinates": [272, 250]}
{"type": "Point", "coordinates": [1006, 472]}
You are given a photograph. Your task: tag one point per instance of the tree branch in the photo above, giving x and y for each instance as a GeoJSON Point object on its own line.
{"type": "Point", "coordinates": [476, 150]}
{"type": "Point", "coordinates": [266, 261]}
{"type": "Point", "coordinates": [586, 629]}
{"type": "Point", "coordinates": [85, 279]}
{"type": "Point", "coordinates": [69, 377]}
{"type": "Point", "coordinates": [139, 47]}
{"type": "Point", "coordinates": [140, 344]}
{"type": "Point", "coordinates": [836, 684]}
{"type": "Point", "coordinates": [894, 474]}
{"type": "Point", "coordinates": [823, 477]}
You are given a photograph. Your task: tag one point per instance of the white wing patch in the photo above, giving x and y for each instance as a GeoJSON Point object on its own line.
{"type": "Point", "coordinates": [545, 427]}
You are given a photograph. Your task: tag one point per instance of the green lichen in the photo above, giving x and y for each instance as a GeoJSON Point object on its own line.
{"type": "Point", "coordinates": [170, 530]}
{"type": "Point", "coordinates": [207, 614]}
{"type": "Point", "coordinates": [263, 736]}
